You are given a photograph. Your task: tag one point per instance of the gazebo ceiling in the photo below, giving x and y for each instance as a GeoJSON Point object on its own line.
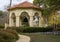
{"type": "Point", "coordinates": [24, 5]}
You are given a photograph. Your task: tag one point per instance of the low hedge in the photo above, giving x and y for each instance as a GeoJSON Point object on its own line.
{"type": "Point", "coordinates": [31, 29]}
{"type": "Point", "coordinates": [8, 35]}
{"type": "Point", "coordinates": [57, 29]}
{"type": "Point", "coordinates": [2, 26]}
{"type": "Point", "coordinates": [18, 29]}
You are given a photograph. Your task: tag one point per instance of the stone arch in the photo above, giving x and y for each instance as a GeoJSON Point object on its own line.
{"type": "Point", "coordinates": [36, 14]}
{"type": "Point", "coordinates": [24, 18]}
{"type": "Point", "coordinates": [36, 19]}
{"type": "Point", "coordinates": [13, 17]}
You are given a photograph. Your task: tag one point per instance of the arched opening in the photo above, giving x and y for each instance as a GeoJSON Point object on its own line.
{"type": "Point", "coordinates": [24, 18]}
{"type": "Point", "coordinates": [13, 17]}
{"type": "Point", "coordinates": [25, 21]}
{"type": "Point", "coordinates": [36, 19]}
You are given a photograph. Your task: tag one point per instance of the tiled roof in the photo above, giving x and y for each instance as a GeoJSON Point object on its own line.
{"type": "Point", "coordinates": [24, 5]}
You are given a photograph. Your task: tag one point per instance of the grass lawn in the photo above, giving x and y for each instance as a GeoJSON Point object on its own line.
{"type": "Point", "coordinates": [37, 37]}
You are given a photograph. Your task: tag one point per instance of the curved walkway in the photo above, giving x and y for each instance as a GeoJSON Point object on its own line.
{"type": "Point", "coordinates": [23, 38]}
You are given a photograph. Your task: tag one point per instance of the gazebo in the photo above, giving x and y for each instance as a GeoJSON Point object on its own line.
{"type": "Point", "coordinates": [25, 14]}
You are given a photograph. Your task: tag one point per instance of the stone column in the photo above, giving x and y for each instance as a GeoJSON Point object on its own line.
{"type": "Point", "coordinates": [20, 22]}
{"type": "Point", "coordinates": [40, 21]}
{"type": "Point", "coordinates": [10, 22]}
{"type": "Point", "coordinates": [17, 21]}
{"type": "Point", "coordinates": [31, 21]}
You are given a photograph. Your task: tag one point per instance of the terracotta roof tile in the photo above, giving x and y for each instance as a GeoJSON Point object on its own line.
{"type": "Point", "coordinates": [24, 5]}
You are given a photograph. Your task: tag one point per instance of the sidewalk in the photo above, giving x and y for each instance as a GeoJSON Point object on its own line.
{"type": "Point", "coordinates": [23, 38]}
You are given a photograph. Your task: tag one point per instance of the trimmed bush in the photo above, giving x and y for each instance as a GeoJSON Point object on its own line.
{"type": "Point", "coordinates": [56, 27]}
{"type": "Point", "coordinates": [18, 29]}
{"type": "Point", "coordinates": [8, 35]}
{"type": "Point", "coordinates": [1, 26]}
{"type": "Point", "coordinates": [37, 29]}
{"type": "Point", "coordinates": [32, 29]}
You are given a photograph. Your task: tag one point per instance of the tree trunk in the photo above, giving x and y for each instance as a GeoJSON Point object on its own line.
{"type": "Point", "coordinates": [46, 21]}
{"type": "Point", "coordinates": [10, 3]}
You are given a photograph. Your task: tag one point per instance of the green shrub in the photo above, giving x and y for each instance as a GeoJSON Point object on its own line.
{"type": "Point", "coordinates": [18, 29]}
{"type": "Point", "coordinates": [11, 31]}
{"type": "Point", "coordinates": [57, 29]}
{"type": "Point", "coordinates": [8, 35]}
{"type": "Point", "coordinates": [32, 29]}
{"type": "Point", "coordinates": [37, 29]}
{"type": "Point", "coordinates": [1, 26]}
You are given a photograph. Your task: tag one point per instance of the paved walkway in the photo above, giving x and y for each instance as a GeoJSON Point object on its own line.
{"type": "Point", "coordinates": [23, 38]}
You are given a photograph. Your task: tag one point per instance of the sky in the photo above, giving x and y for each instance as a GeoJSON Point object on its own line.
{"type": "Point", "coordinates": [4, 3]}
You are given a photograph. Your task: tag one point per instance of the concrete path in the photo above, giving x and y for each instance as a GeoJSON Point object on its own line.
{"type": "Point", "coordinates": [23, 38]}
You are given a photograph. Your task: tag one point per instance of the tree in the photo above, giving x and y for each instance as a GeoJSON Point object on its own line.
{"type": "Point", "coordinates": [37, 2]}
{"type": "Point", "coordinates": [1, 13]}
{"type": "Point", "coordinates": [54, 4]}
{"type": "Point", "coordinates": [3, 17]}
{"type": "Point", "coordinates": [48, 7]}
{"type": "Point", "coordinates": [10, 3]}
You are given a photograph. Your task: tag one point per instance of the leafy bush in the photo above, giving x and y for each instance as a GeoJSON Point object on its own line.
{"type": "Point", "coordinates": [8, 35]}
{"type": "Point", "coordinates": [56, 27]}
{"type": "Point", "coordinates": [37, 29]}
{"type": "Point", "coordinates": [1, 26]}
{"type": "Point", "coordinates": [32, 29]}
{"type": "Point", "coordinates": [18, 29]}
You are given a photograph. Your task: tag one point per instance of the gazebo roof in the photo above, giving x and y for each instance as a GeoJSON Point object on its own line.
{"type": "Point", "coordinates": [24, 5]}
